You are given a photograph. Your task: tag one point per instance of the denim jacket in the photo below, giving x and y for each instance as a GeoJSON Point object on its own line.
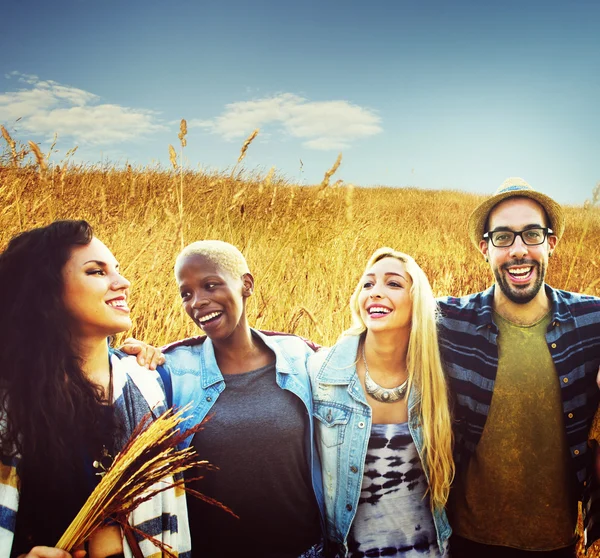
{"type": "Point", "coordinates": [343, 427]}
{"type": "Point", "coordinates": [196, 379]}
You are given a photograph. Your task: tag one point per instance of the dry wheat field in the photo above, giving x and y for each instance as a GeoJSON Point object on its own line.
{"type": "Point", "coordinates": [306, 245]}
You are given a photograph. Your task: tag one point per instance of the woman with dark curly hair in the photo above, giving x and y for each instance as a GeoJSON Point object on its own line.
{"type": "Point", "coordinates": [67, 401]}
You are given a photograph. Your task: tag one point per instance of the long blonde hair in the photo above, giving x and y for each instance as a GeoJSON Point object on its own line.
{"type": "Point", "coordinates": [424, 366]}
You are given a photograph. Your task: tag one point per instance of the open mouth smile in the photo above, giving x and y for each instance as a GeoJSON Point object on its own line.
{"type": "Point", "coordinates": [376, 311]}
{"type": "Point", "coordinates": [118, 303]}
{"type": "Point", "coordinates": [520, 274]}
{"type": "Point", "coordinates": [209, 318]}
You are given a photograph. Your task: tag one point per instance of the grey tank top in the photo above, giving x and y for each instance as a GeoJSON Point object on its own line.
{"type": "Point", "coordinates": [393, 518]}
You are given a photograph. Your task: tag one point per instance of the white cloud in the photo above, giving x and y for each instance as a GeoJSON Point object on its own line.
{"type": "Point", "coordinates": [47, 107]}
{"type": "Point", "coordinates": [322, 125]}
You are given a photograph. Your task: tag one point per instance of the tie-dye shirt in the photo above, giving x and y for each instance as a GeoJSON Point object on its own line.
{"type": "Point", "coordinates": [393, 518]}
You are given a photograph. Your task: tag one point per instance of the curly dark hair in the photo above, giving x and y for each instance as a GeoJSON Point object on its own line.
{"type": "Point", "coordinates": [53, 415]}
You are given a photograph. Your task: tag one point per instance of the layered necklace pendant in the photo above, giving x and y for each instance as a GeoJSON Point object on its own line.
{"type": "Point", "coordinates": [379, 393]}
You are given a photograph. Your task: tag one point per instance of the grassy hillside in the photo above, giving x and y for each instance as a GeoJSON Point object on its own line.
{"type": "Point", "coordinates": [306, 246]}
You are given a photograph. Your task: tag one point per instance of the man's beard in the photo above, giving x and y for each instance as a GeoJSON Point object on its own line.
{"type": "Point", "coordinates": [524, 294]}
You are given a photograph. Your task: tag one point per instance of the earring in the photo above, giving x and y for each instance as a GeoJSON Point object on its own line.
{"type": "Point", "coordinates": [486, 259]}
{"type": "Point", "coordinates": [549, 254]}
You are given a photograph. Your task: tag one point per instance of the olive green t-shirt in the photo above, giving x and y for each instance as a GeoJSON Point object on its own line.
{"type": "Point", "coordinates": [518, 489]}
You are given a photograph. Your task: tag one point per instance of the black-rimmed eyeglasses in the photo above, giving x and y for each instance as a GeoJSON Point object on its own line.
{"type": "Point", "coordinates": [531, 237]}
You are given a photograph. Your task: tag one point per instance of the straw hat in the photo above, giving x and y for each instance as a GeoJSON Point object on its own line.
{"type": "Point", "coordinates": [510, 188]}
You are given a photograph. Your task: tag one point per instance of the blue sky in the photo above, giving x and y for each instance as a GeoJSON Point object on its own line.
{"type": "Point", "coordinates": [431, 94]}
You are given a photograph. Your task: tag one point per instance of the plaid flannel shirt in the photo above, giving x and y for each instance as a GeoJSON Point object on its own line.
{"type": "Point", "coordinates": [468, 342]}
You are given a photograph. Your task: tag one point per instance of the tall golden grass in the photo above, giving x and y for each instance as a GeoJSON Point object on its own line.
{"type": "Point", "coordinates": [306, 246]}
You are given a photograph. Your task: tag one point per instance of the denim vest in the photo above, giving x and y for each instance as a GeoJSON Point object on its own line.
{"type": "Point", "coordinates": [343, 427]}
{"type": "Point", "coordinates": [198, 381]}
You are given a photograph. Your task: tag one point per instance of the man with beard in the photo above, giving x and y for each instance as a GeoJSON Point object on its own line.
{"type": "Point", "coordinates": [522, 359]}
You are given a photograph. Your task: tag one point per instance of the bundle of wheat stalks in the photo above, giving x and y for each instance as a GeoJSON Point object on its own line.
{"type": "Point", "coordinates": [138, 473]}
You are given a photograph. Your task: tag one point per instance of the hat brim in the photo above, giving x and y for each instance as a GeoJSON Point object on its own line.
{"type": "Point", "coordinates": [479, 216]}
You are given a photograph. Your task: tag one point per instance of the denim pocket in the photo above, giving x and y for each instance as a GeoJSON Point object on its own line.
{"type": "Point", "coordinates": [331, 422]}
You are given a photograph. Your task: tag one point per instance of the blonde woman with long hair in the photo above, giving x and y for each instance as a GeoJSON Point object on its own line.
{"type": "Point", "coordinates": [383, 421]}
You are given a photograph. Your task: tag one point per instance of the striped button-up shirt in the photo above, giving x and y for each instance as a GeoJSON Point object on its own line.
{"type": "Point", "coordinates": [468, 342]}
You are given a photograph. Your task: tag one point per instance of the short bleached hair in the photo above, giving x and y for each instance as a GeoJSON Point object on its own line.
{"type": "Point", "coordinates": [223, 254]}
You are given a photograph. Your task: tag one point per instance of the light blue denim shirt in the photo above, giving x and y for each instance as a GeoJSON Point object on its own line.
{"type": "Point", "coordinates": [343, 427]}
{"type": "Point", "coordinates": [196, 379]}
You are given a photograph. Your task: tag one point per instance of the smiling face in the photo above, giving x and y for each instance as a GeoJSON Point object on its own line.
{"type": "Point", "coordinates": [94, 292]}
{"type": "Point", "coordinates": [384, 300]}
{"type": "Point", "coordinates": [519, 269]}
{"type": "Point", "coordinates": [212, 296]}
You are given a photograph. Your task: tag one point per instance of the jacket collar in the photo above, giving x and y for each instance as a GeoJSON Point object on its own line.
{"type": "Point", "coordinates": [283, 361]}
{"type": "Point", "coordinates": [211, 374]}
{"type": "Point", "coordinates": [340, 365]}
{"type": "Point", "coordinates": [340, 369]}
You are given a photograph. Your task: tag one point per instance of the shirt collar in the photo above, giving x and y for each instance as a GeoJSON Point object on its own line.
{"type": "Point", "coordinates": [485, 310]}
{"type": "Point", "coordinates": [558, 306]}
{"type": "Point", "coordinates": [561, 311]}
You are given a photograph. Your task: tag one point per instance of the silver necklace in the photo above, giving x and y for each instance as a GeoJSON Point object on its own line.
{"type": "Point", "coordinates": [379, 393]}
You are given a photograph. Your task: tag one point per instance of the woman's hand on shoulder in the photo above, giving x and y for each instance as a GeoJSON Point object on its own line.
{"type": "Point", "coordinates": [48, 552]}
{"type": "Point", "coordinates": [146, 355]}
